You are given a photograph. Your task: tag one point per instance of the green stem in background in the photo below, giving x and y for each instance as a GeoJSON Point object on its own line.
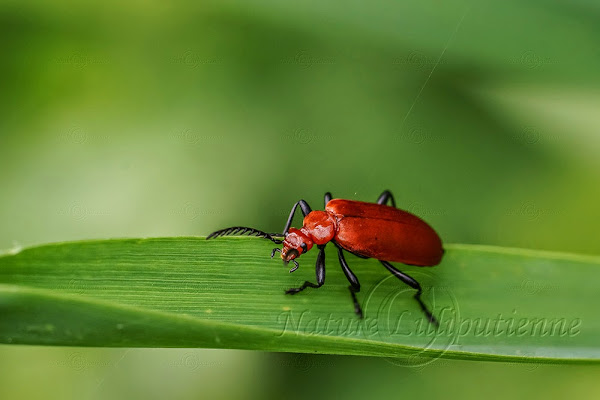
{"type": "Point", "coordinates": [493, 303]}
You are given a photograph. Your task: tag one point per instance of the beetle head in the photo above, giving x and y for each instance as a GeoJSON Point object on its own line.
{"type": "Point", "coordinates": [294, 244]}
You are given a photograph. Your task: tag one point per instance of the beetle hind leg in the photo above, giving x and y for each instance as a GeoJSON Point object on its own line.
{"type": "Point", "coordinates": [415, 285]}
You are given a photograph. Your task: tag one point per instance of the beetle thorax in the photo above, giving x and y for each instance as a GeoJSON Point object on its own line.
{"type": "Point", "coordinates": [320, 226]}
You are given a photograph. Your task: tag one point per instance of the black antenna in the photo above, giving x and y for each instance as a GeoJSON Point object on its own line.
{"type": "Point", "coordinates": [242, 230]}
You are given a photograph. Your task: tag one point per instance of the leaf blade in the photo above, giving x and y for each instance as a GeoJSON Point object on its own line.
{"type": "Point", "coordinates": [226, 293]}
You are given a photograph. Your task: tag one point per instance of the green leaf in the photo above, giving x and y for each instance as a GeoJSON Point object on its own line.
{"type": "Point", "coordinates": [492, 303]}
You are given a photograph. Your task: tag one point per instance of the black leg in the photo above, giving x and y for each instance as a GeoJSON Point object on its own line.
{"type": "Point", "coordinates": [305, 210]}
{"type": "Point", "coordinates": [319, 270]}
{"type": "Point", "coordinates": [354, 284]}
{"type": "Point", "coordinates": [385, 196]}
{"type": "Point", "coordinates": [415, 285]}
{"type": "Point", "coordinates": [327, 197]}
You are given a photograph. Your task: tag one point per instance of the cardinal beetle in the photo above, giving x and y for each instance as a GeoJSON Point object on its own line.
{"type": "Point", "coordinates": [366, 230]}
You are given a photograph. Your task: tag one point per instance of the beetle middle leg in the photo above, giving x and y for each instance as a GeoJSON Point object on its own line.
{"type": "Point", "coordinates": [319, 271]}
{"type": "Point", "coordinates": [385, 196]}
{"type": "Point", "coordinates": [354, 284]}
{"type": "Point", "coordinates": [415, 285]}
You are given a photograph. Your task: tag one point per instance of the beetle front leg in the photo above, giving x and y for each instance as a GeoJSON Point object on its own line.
{"type": "Point", "coordinates": [305, 211]}
{"type": "Point", "coordinates": [413, 284]}
{"type": "Point", "coordinates": [319, 270]}
{"type": "Point", "coordinates": [385, 196]}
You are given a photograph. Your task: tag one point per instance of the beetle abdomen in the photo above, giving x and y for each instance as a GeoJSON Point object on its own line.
{"type": "Point", "coordinates": [385, 233]}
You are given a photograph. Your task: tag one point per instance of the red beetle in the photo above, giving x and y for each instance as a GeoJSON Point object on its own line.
{"type": "Point", "coordinates": [366, 230]}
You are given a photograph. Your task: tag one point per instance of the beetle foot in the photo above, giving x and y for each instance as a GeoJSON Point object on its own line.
{"type": "Point", "coordinates": [275, 250]}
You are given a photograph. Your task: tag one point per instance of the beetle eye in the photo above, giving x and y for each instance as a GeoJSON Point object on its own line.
{"type": "Point", "coordinates": [304, 248]}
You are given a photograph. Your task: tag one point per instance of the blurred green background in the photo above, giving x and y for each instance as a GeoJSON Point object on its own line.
{"type": "Point", "coordinates": [140, 119]}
